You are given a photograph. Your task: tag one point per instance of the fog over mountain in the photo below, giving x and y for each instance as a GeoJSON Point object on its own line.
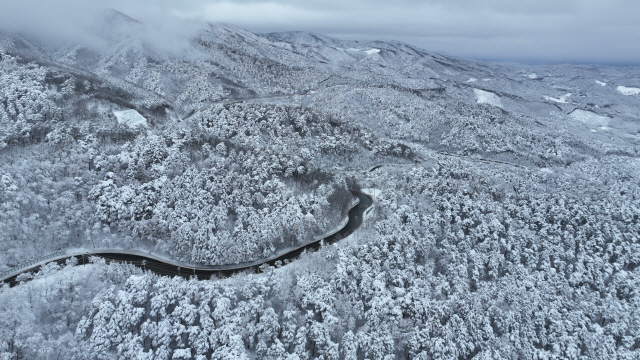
{"type": "Point", "coordinates": [504, 220]}
{"type": "Point", "coordinates": [72, 22]}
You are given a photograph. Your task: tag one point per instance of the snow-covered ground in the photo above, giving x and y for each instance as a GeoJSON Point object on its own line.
{"type": "Point", "coordinates": [471, 80]}
{"type": "Point", "coordinates": [628, 90]}
{"type": "Point", "coordinates": [601, 83]}
{"type": "Point", "coordinates": [375, 194]}
{"type": "Point", "coordinates": [589, 118]}
{"type": "Point", "coordinates": [486, 97]}
{"type": "Point", "coordinates": [372, 192]}
{"type": "Point", "coordinates": [372, 51]}
{"type": "Point", "coordinates": [131, 118]}
{"type": "Point", "coordinates": [562, 99]}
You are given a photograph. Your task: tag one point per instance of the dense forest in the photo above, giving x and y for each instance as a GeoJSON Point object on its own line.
{"type": "Point", "coordinates": [505, 222]}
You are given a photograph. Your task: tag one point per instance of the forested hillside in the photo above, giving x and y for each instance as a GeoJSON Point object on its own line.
{"type": "Point", "coordinates": [505, 222]}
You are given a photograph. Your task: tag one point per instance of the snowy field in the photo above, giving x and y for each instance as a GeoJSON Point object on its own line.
{"type": "Point", "coordinates": [486, 97]}
{"type": "Point", "coordinates": [131, 118]}
{"type": "Point", "coordinates": [589, 118]}
{"type": "Point", "coordinates": [628, 90]}
{"type": "Point", "coordinates": [562, 99]}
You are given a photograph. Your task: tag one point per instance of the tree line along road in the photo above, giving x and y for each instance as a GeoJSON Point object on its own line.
{"type": "Point", "coordinates": [168, 268]}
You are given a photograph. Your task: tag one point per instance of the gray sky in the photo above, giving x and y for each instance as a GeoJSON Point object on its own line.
{"type": "Point", "coordinates": [586, 31]}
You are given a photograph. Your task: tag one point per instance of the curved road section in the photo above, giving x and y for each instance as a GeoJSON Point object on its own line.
{"type": "Point", "coordinates": [169, 268]}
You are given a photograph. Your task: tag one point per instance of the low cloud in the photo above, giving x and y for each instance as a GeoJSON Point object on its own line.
{"type": "Point", "coordinates": [95, 23]}
{"type": "Point", "coordinates": [48, 19]}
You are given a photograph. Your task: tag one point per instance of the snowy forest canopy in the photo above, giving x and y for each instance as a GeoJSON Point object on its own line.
{"type": "Point", "coordinates": [505, 222]}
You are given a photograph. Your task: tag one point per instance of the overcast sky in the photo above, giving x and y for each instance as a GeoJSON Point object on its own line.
{"type": "Point", "coordinates": [551, 31]}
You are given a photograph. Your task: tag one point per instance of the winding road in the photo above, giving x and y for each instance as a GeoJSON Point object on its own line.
{"type": "Point", "coordinates": [170, 268]}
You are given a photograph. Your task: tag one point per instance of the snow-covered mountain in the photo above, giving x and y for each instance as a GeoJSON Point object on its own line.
{"type": "Point", "coordinates": [506, 218]}
{"type": "Point", "coordinates": [223, 63]}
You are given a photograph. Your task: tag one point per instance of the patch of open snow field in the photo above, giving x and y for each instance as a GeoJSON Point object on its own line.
{"type": "Point", "coordinates": [131, 118]}
{"type": "Point", "coordinates": [561, 100]}
{"type": "Point", "coordinates": [486, 97]}
{"type": "Point", "coordinates": [628, 90]}
{"type": "Point", "coordinates": [589, 118]}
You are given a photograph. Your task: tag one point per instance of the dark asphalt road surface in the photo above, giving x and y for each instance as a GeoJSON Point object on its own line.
{"type": "Point", "coordinates": [356, 215]}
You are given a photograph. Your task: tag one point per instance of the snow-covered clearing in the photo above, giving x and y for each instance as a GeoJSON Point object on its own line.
{"type": "Point", "coordinates": [562, 99]}
{"type": "Point", "coordinates": [471, 80]}
{"type": "Point", "coordinates": [486, 97]}
{"type": "Point", "coordinates": [589, 118]}
{"type": "Point", "coordinates": [533, 76]}
{"type": "Point", "coordinates": [372, 192]}
{"type": "Point", "coordinates": [372, 51]}
{"type": "Point", "coordinates": [628, 90]}
{"type": "Point", "coordinates": [601, 83]}
{"type": "Point", "coordinates": [131, 118]}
